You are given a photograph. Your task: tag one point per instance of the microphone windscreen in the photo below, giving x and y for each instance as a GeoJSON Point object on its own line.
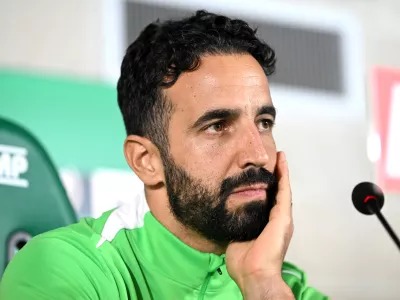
{"type": "Point", "coordinates": [368, 198]}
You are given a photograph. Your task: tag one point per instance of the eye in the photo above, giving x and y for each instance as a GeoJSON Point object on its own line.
{"type": "Point", "coordinates": [265, 124]}
{"type": "Point", "coordinates": [216, 127]}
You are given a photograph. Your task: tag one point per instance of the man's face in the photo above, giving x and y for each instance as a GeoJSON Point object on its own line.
{"type": "Point", "coordinates": [222, 156]}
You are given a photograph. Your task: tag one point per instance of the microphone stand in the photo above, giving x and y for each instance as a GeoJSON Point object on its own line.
{"type": "Point", "coordinates": [385, 224]}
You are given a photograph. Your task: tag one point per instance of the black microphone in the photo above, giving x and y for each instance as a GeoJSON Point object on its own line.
{"type": "Point", "coordinates": [368, 199]}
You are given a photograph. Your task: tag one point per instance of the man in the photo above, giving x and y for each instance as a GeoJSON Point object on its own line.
{"type": "Point", "coordinates": [214, 220]}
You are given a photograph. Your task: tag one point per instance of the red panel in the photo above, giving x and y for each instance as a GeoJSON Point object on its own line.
{"type": "Point", "coordinates": [383, 81]}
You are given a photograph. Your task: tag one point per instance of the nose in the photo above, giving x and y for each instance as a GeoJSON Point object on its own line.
{"type": "Point", "coordinates": [252, 152]}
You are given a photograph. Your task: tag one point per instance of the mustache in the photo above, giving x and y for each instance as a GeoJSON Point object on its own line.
{"type": "Point", "coordinates": [248, 177]}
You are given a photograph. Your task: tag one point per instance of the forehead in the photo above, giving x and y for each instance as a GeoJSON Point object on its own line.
{"type": "Point", "coordinates": [231, 81]}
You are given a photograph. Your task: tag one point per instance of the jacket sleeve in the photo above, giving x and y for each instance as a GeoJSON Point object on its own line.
{"type": "Point", "coordinates": [51, 268]}
{"type": "Point", "coordinates": [296, 279]}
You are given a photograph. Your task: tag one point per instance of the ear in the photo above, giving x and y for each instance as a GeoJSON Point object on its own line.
{"type": "Point", "coordinates": [144, 159]}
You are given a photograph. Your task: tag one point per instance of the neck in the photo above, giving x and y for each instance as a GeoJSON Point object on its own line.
{"type": "Point", "coordinates": [157, 200]}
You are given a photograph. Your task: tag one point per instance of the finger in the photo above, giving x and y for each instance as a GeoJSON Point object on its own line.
{"type": "Point", "coordinates": [284, 194]}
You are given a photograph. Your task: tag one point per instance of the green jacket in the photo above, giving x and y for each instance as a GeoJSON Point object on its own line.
{"type": "Point", "coordinates": [124, 254]}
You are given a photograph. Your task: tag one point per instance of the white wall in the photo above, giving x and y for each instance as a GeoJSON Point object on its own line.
{"type": "Point", "coordinates": [345, 254]}
{"type": "Point", "coordinates": [380, 20]}
{"type": "Point", "coordinates": [60, 36]}
{"type": "Point", "coordinates": [342, 245]}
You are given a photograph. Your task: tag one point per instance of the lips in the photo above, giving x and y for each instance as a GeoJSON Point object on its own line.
{"type": "Point", "coordinates": [260, 193]}
{"type": "Point", "coordinates": [252, 191]}
{"type": "Point", "coordinates": [251, 188]}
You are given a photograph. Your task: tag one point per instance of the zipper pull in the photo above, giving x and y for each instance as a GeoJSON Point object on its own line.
{"type": "Point", "coordinates": [219, 271]}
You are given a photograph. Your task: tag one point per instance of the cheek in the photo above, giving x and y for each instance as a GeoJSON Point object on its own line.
{"type": "Point", "coordinates": [270, 148]}
{"type": "Point", "coordinates": [205, 161]}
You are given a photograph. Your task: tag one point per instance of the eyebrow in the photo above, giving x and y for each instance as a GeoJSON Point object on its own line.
{"type": "Point", "coordinates": [223, 113]}
{"type": "Point", "coordinates": [226, 113]}
{"type": "Point", "coordinates": [267, 110]}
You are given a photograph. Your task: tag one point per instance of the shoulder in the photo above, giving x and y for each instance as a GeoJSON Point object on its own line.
{"type": "Point", "coordinates": [296, 279]}
{"type": "Point", "coordinates": [65, 259]}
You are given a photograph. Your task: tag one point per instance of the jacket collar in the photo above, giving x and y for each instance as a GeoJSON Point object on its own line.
{"type": "Point", "coordinates": [157, 248]}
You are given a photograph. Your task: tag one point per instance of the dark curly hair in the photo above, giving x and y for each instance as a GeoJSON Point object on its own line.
{"type": "Point", "coordinates": [163, 51]}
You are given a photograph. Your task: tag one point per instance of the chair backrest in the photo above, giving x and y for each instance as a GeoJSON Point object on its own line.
{"type": "Point", "coordinates": [32, 197]}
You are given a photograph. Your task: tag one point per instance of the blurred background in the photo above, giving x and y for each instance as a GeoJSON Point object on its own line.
{"type": "Point", "coordinates": [335, 89]}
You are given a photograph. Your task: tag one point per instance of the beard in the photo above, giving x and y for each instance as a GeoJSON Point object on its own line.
{"type": "Point", "coordinates": [204, 210]}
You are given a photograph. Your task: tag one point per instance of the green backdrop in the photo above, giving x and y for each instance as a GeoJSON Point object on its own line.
{"type": "Point", "coordinates": [77, 121]}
